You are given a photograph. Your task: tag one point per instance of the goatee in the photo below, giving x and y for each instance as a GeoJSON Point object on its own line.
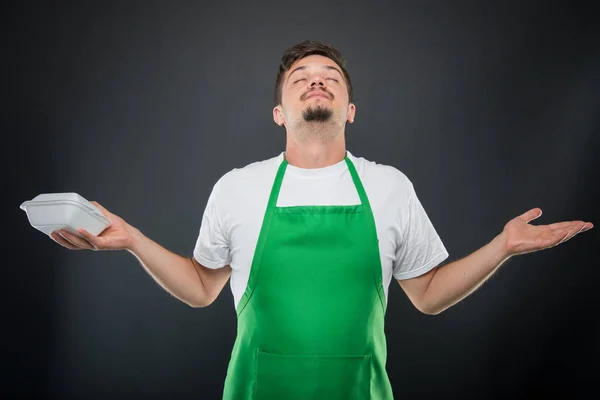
{"type": "Point", "coordinates": [317, 114]}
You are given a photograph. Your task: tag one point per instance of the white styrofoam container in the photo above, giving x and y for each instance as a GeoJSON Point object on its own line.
{"type": "Point", "coordinates": [49, 212]}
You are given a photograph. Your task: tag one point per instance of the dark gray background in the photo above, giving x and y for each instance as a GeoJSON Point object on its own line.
{"type": "Point", "coordinates": [489, 109]}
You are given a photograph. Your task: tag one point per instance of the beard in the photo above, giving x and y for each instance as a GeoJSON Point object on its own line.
{"type": "Point", "coordinates": [317, 114]}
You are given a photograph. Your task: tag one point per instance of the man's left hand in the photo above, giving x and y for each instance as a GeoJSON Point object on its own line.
{"type": "Point", "coordinates": [521, 237]}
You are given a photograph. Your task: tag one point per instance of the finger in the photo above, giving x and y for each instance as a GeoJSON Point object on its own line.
{"type": "Point", "coordinates": [63, 242]}
{"type": "Point", "coordinates": [531, 215]}
{"type": "Point", "coordinates": [104, 210]}
{"type": "Point", "coordinates": [75, 240]}
{"type": "Point", "coordinates": [577, 231]}
{"type": "Point", "coordinates": [564, 239]}
{"type": "Point", "coordinates": [570, 233]}
{"type": "Point", "coordinates": [95, 241]}
{"type": "Point", "coordinates": [566, 225]}
{"type": "Point", "coordinates": [64, 236]}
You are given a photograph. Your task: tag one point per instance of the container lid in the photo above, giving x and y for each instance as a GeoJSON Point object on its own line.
{"type": "Point", "coordinates": [64, 198]}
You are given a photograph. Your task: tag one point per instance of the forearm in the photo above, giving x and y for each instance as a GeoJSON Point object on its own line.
{"type": "Point", "coordinates": [176, 274]}
{"type": "Point", "coordinates": [454, 281]}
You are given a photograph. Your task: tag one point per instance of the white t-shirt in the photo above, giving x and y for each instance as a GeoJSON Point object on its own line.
{"type": "Point", "coordinates": [409, 246]}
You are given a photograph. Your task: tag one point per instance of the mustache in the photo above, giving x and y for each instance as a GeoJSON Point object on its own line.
{"type": "Point", "coordinates": [325, 92]}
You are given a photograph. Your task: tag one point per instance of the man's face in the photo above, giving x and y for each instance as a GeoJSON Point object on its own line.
{"type": "Point", "coordinates": [314, 90]}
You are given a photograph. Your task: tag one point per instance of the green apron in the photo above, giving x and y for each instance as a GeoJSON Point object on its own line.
{"type": "Point", "coordinates": [311, 321]}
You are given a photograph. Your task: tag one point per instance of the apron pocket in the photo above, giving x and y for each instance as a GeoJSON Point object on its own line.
{"type": "Point", "coordinates": [290, 377]}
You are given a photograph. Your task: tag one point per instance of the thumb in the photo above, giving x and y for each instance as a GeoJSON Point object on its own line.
{"type": "Point", "coordinates": [530, 215]}
{"type": "Point", "coordinates": [104, 210]}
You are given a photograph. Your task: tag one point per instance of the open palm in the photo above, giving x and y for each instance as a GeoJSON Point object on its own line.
{"type": "Point", "coordinates": [521, 237]}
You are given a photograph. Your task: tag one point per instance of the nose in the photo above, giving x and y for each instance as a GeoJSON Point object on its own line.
{"type": "Point", "coordinates": [317, 80]}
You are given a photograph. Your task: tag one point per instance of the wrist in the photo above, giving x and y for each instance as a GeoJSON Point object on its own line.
{"type": "Point", "coordinates": [500, 245]}
{"type": "Point", "coordinates": [136, 239]}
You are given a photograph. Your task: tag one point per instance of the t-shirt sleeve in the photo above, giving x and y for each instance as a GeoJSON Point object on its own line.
{"type": "Point", "coordinates": [212, 247]}
{"type": "Point", "coordinates": [420, 248]}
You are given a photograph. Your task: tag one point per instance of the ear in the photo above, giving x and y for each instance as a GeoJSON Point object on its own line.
{"type": "Point", "coordinates": [351, 112]}
{"type": "Point", "coordinates": [278, 116]}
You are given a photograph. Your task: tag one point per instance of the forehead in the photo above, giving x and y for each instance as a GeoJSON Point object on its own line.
{"type": "Point", "coordinates": [313, 61]}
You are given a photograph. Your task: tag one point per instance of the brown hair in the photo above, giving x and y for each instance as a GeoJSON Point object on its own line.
{"type": "Point", "coordinates": [305, 49]}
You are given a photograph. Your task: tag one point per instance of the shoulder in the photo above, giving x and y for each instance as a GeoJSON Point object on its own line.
{"type": "Point", "coordinates": [382, 177]}
{"type": "Point", "coordinates": [250, 175]}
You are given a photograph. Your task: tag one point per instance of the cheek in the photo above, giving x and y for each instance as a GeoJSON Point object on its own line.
{"type": "Point", "coordinates": [286, 102]}
{"type": "Point", "coordinates": [290, 96]}
{"type": "Point", "coordinates": [341, 94]}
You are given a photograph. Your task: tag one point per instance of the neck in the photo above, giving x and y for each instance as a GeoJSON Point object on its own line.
{"type": "Point", "coordinates": [310, 154]}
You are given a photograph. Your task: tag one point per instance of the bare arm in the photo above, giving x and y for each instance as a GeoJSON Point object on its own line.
{"type": "Point", "coordinates": [186, 279]}
{"type": "Point", "coordinates": [183, 277]}
{"type": "Point", "coordinates": [443, 287]}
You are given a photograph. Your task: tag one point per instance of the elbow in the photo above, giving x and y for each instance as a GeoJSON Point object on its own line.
{"type": "Point", "coordinates": [199, 302]}
{"type": "Point", "coordinates": [430, 308]}
{"type": "Point", "coordinates": [431, 303]}
{"type": "Point", "coordinates": [427, 310]}
{"type": "Point", "coordinates": [431, 311]}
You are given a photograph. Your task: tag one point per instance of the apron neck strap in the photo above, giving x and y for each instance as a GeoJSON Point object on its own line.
{"type": "Point", "coordinates": [364, 200]}
{"type": "Point", "coordinates": [277, 185]}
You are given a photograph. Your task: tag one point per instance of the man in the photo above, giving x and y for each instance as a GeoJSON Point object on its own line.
{"type": "Point", "coordinates": [311, 240]}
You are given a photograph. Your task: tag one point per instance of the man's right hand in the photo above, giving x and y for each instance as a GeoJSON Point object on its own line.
{"type": "Point", "coordinates": [117, 236]}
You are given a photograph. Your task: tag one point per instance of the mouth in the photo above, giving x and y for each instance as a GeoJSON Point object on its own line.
{"type": "Point", "coordinates": [318, 94]}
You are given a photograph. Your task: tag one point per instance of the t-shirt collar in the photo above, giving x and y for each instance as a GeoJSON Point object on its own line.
{"type": "Point", "coordinates": [315, 172]}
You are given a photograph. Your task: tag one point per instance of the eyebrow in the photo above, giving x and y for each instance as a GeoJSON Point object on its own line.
{"type": "Point", "coordinates": [305, 67]}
